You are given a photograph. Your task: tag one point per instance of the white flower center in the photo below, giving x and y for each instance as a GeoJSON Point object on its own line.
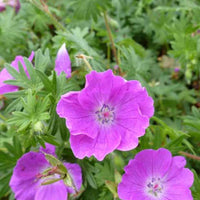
{"type": "Point", "coordinates": [105, 115]}
{"type": "Point", "coordinates": [155, 187]}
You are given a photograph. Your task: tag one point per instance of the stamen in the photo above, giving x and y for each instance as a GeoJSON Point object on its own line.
{"type": "Point", "coordinates": [155, 187]}
{"type": "Point", "coordinates": [105, 115]}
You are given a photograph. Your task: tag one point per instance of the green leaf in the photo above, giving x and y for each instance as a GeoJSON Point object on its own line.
{"type": "Point", "coordinates": [89, 171]}
{"type": "Point", "coordinates": [112, 187]}
{"type": "Point", "coordinates": [77, 36]}
{"type": "Point", "coordinates": [45, 80]}
{"type": "Point", "coordinates": [21, 78]}
{"type": "Point", "coordinates": [56, 163]}
{"type": "Point", "coordinates": [104, 172]}
{"type": "Point", "coordinates": [88, 9]}
{"type": "Point", "coordinates": [34, 112]}
{"type": "Point", "coordinates": [42, 60]}
{"type": "Point", "coordinates": [128, 42]}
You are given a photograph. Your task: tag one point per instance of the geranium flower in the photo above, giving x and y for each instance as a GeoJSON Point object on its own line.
{"type": "Point", "coordinates": [33, 174]}
{"type": "Point", "coordinates": [63, 63]}
{"type": "Point", "coordinates": [4, 75]}
{"type": "Point", "coordinates": [13, 3]}
{"type": "Point", "coordinates": [109, 113]}
{"type": "Point", "coordinates": [156, 175]}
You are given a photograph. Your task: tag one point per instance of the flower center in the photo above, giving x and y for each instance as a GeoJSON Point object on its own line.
{"type": "Point", "coordinates": [105, 115]}
{"type": "Point", "coordinates": [49, 175]}
{"type": "Point", "coordinates": [155, 187]}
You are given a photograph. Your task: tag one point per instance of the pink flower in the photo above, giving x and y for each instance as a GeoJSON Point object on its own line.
{"type": "Point", "coordinates": [63, 63]}
{"type": "Point", "coordinates": [176, 69]}
{"type": "Point", "coordinates": [116, 67]}
{"type": "Point", "coordinates": [13, 3]}
{"type": "Point", "coordinates": [109, 113]}
{"type": "Point", "coordinates": [32, 170]}
{"type": "Point", "coordinates": [4, 75]}
{"type": "Point", "coordinates": [156, 175]}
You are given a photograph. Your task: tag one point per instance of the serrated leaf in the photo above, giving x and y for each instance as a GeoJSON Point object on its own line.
{"type": "Point", "coordinates": [112, 187]}
{"type": "Point", "coordinates": [88, 9]}
{"type": "Point", "coordinates": [46, 82]}
{"type": "Point", "coordinates": [42, 61]}
{"type": "Point", "coordinates": [56, 163]}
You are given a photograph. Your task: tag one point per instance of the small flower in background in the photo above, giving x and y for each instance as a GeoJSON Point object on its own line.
{"type": "Point", "coordinates": [176, 69]}
{"type": "Point", "coordinates": [34, 178]}
{"type": "Point", "coordinates": [156, 175]}
{"type": "Point", "coordinates": [13, 3]}
{"type": "Point", "coordinates": [4, 75]}
{"type": "Point", "coordinates": [109, 113]}
{"type": "Point", "coordinates": [63, 63]}
{"type": "Point", "coordinates": [116, 67]}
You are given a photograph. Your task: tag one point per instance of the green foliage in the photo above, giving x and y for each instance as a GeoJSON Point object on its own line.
{"type": "Point", "coordinates": [21, 78]}
{"type": "Point", "coordinates": [34, 111]}
{"type": "Point", "coordinates": [37, 19]}
{"type": "Point", "coordinates": [89, 8]}
{"type": "Point", "coordinates": [12, 34]}
{"type": "Point", "coordinates": [152, 38]}
{"type": "Point", "coordinates": [196, 193]}
{"type": "Point", "coordinates": [104, 173]}
{"type": "Point", "coordinates": [192, 123]}
{"type": "Point", "coordinates": [10, 152]}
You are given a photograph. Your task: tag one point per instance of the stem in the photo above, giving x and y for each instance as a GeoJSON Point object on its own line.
{"type": "Point", "coordinates": [108, 53]}
{"type": "Point", "coordinates": [111, 40]}
{"type": "Point", "coordinates": [85, 61]}
{"type": "Point", "coordinates": [44, 8]}
{"type": "Point", "coordinates": [189, 155]}
{"type": "Point", "coordinates": [2, 117]}
{"type": "Point", "coordinates": [88, 64]}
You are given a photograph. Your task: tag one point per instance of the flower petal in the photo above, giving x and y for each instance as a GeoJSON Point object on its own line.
{"type": "Point", "coordinates": [63, 63]}
{"type": "Point", "coordinates": [76, 174]}
{"type": "Point", "coordinates": [133, 181]}
{"type": "Point", "coordinates": [106, 141]}
{"type": "Point", "coordinates": [178, 192]}
{"type": "Point", "coordinates": [29, 165]}
{"type": "Point", "coordinates": [53, 191]}
{"type": "Point", "coordinates": [184, 178]}
{"type": "Point", "coordinates": [4, 75]}
{"type": "Point", "coordinates": [50, 149]}
{"type": "Point", "coordinates": [78, 119]}
{"type": "Point", "coordinates": [31, 56]}
{"type": "Point", "coordinates": [128, 141]}
{"type": "Point", "coordinates": [145, 103]}
{"type": "Point", "coordinates": [23, 189]}
{"type": "Point", "coordinates": [161, 162]}
{"type": "Point", "coordinates": [99, 87]}
{"type": "Point", "coordinates": [5, 88]}
{"type": "Point", "coordinates": [178, 162]}
{"type": "Point", "coordinates": [20, 59]}
{"type": "Point", "coordinates": [178, 175]}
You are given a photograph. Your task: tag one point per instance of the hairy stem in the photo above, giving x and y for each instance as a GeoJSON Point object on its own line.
{"type": "Point", "coordinates": [189, 155]}
{"type": "Point", "coordinates": [84, 58]}
{"type": "Point", "coordinates": [111, 40]}
{"type": "Point", "coordinates": [44, 8]}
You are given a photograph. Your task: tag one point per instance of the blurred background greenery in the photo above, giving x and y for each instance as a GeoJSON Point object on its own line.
{"type": "Point", "coordinates": [157, 42]}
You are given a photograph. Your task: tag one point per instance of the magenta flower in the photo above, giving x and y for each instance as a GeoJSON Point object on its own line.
{"type": "Point", "coordinates": [109, 113]}
{"type": "Point", "coordinates": [13, 3]}
{"type": "Point", "coordinates": [4, 75]}
{"type": "Point", "coordinates": [63, 63]}
{"type": "Point", "coordinates": [176, 69]}
{"type": "Point", "coordinates": [116, 67]}
{"type": "Point", "coordinates": [156, 175]}
{"type": "Point", "coordinates": [33, 170]}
